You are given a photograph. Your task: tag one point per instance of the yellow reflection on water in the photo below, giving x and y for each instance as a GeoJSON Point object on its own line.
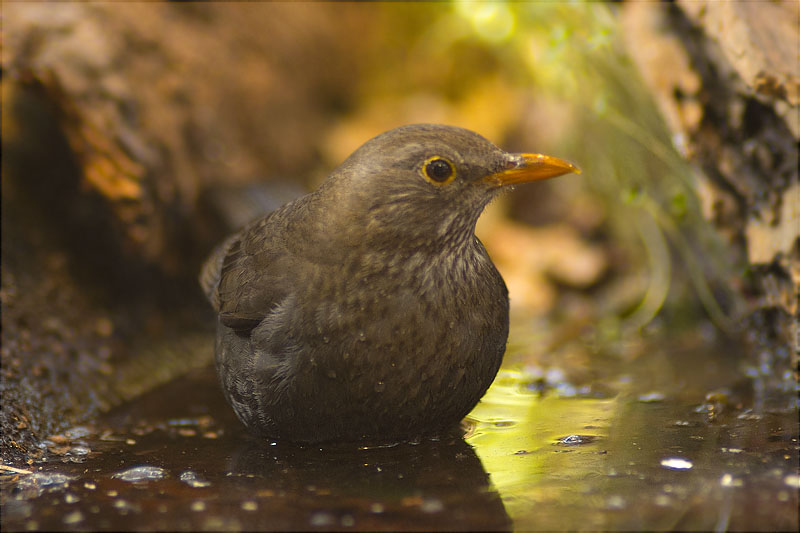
{"type": "Point", "coordinates": [517, 436]}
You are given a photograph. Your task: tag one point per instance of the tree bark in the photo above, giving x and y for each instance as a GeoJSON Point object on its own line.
{"type": "Point", "coordinates": [726, 76]}
{"type": "Point", "coordinates": [116, 118]}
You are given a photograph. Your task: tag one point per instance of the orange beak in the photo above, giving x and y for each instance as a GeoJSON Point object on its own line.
{"type": "Point", "coordinates": [531, 167]}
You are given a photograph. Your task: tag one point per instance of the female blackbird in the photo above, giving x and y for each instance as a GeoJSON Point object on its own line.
{"type": "Point", "coordinates": [368, 309]}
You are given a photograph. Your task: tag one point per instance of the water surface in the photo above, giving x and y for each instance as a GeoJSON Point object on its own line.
{"type": "Point", "coordinates": [675, 439]}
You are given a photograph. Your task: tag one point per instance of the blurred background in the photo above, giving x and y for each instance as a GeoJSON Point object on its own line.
{"type": "Point", "coordinates": [137, 135]}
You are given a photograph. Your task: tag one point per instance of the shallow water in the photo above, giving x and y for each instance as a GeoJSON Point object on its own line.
{"type": "Point", "coordinates": [673, 442]}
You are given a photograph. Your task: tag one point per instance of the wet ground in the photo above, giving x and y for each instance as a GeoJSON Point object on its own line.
{"type": "Point", "coordinates": [673, 440]}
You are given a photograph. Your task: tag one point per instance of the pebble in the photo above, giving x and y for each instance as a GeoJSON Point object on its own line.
{"type": "Point", "coordinates": [35, 484]}
{"type": "Point", "coordinates": [46, 479]}
{"type": "Point", "coordinates": [79, 450]}
{"type": "Point", "coordinates": [141, 473]}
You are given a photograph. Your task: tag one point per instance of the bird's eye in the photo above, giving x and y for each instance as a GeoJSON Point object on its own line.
{"type": "Point", "coordinates": [439, 170]}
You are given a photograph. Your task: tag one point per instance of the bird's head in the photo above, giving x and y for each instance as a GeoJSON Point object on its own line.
{"type": "Point", "coordinates": [429, 183]}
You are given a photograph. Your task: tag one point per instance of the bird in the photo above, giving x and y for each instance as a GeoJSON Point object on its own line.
{"type": "Point", "coordinates": [368, 310]}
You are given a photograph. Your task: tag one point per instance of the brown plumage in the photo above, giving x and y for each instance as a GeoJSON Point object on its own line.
{"type": "Point", "coordinates": [368, 309]}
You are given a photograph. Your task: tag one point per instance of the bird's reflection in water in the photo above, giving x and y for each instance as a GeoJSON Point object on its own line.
{"type": "Point", "coordinates": [434, 484]}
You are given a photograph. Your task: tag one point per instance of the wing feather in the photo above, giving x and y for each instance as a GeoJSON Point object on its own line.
{"type": "Point", "coordinates": [244, 278]}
